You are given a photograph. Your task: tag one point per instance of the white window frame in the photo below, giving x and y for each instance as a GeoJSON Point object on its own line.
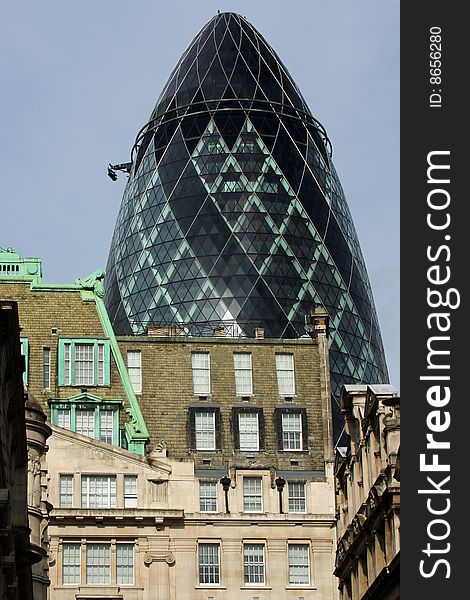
{"type": "Point", "coordinates": [66, 491]}
{"type": "Point", "coordinates": [298, 566]}
{"type": "Point", "coordinates": [64, 418]}
{"type": "Point", "coordinates": [98, 573]}
{"type": "Point", "coordinates": [107, 497]}
{"type": "Point", "coordinates": [130, 491]}
{"type": "Point", "coordinates": [243, 373]}
{"type": "Point", "coordinates": [205, 431]}
{"type": "Point", "coordinates": [294, 499]}
{"type": "Point", "coordinates": [285, 374]}
{"type": "Point", "coordinates": [71, 563]}
{"type": "Point", "coordinates": [46, 368]}
{"type": "Point", "coordinates": [208, 499]}
{"type": "Point", "coordinates": [84, 364]}
{"type": "Point", "coordinates": [106, 425]}
{"type": "Point", "coordinates": [248, 431]}
{"type": "Point", "coordinates": [85, 422]}
{"type": "Point", "coordinates": [252, 576]}
{"type": "Point", "coordinates": [134, 368]}
{"type": "Point", "coordinates": [201, 369]}
{"type": "Point", "coordinates": [253, 494]}
{"type": "Point", "coordinates": [209, 564]}
{"type": "Point", "coordinates": [291, 425]}
{"type": "Point", "coordinates": [129, 579]}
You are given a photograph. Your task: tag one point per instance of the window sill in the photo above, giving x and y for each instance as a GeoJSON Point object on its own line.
{"type": "Point", "coordinates": [208, 586]}
{"type": "Point", "coordinates": [300, 587]}
{"type": "Point", "coordinates": [255, 587]}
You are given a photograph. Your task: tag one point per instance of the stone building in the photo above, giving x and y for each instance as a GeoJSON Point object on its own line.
{"type": "Point", "coordinates": [178, 467]}
{"type": "Point", "coordinates": [368, 494]}
{"type": "Point", "coordinates": [15, 553]}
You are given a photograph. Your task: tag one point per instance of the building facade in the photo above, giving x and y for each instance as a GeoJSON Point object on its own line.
{"type": "Point", "coordinates": [233, 214]}
{"type": "Point", "coordinates": [15, 555]}
{"type": "Point", "coordinates": [179, 466]}
{"type": "Point", "coordinates": [368, 495]}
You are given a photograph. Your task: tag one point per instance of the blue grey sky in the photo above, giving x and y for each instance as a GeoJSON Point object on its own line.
{"type": "Point", "coordinates": [79, 79]}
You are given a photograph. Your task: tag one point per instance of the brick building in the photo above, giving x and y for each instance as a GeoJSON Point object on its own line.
{"type": "Point", "coordinates": [178, 467]}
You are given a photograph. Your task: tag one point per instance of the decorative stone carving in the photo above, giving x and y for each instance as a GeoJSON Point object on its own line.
{"type": "Point", "coordinates": [151, 557]}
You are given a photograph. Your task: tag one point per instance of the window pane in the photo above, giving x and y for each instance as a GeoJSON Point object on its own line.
{"type": "Point", "coordinates": [299, 569]}
{"type": "Point", "coordinates": [71, 563]}
{"type": "Point", "coordinates": [252, 494]}
{"type": "Point", "coordinates": [248, 431]}
{"type": "Point", "coordinates": [208, 496]}
{"type": "Point", "coordinates": [98, 491]}
{"type": "Point", "coordinates": [66, 491]}
{"type": "Point", "coordinates": [67, 364]}
{"type": "Point", "coordinates": [253, 563]}
{"type": "Point", "coordinates": [46, 364]}
{"type": "Point", "coordinates": [297, 498]}
{"type": "Point", "coordinates": [205, 430]}
{"type": "Point", "coordinates": [130, 491]}
{"type": "Point", "coordinates": [107, 426]}
{"type": "Point", "coordinates": [201, 373]}
{"type": "Point", "coordinates": [63, 418]}
{"type": "Point", "coordinates": [291, 431]}
{"type": "Point", "coordinates": [209, 570]}
{"type": "Point", "coordinates": [135, 371]}
{"type": "Point", "coordinates": [125, 564]}
{"type": "Point", "coordinates": [98, 563]}
{"type": "Point", "coordinates": [83, 364]}
{"type": "Point", "coordinates": [243, 373]}
{"type": "Point", "coordinates": [100, 369]}
{"type": "Point", "coordinates": [285, 374]}
{"type": "Point", "coordinates": [85, 422]}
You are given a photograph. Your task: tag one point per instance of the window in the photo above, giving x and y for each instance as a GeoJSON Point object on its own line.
{"type": "Point", "coordinates": [205, 430]}
{"type": "Point", "coordinates": [106, 426]}
{"type": "Point", "coordinates": [291, 431]}
{"type": "Point", "coordinates": [130, 491]}
{"type": "Point", "coordinates": [209, 565]}
{"type": "Point", "coordinates": [285, 374]}
{"type": "Point", "coordinates": [248, 430]}
{"type": "Point", "coordinates": [85, 422]}
{"type": "Point", "coordinates": [243, 373]}
{"type": "Point", "coordinates": [66, 491]}
{"type": "Point", "coordinates": [63, 417]}
{"type": "Point", "coordinates": [98, 491]}
{"type": "Point", "coordinates": [24, 345]}
{"type": "Point", "coordinates": [46, 368]}
{"type": "Point", "coordinates": [252, 494]}
{"type": "Point", "coordinates": [253, 564]}
{"type": "Point", "coordinates": [71, 563]}
{"type": "Point", "coordinates": [208, 496]}
{"type": "Point", "coordinates": [88, 415]}
{"type": "Point", "coordinates": [125, 564]}
{"type": "Point", "coordinates": [201, 373]}
{"type": "Point", "coordinates": [84, 362]}
{"type": "Point", "coordinates": [299, 568]}
{"type": "Point", "coordinates": [98, 563]}
{"type": "Point", "coordinates": [134, 368]}
{"type": "Point", "coordinates": [297, 497]}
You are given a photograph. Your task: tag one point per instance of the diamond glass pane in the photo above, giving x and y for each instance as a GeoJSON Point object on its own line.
{"type": "Point", "coordinates": [245, 183]}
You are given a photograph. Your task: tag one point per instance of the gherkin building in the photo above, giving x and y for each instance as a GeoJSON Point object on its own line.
{"type": "Point", "coordinates": [233, 213]}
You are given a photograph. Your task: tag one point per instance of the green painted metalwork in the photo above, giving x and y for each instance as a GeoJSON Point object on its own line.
{"type": "Point", "coordinates": [15, 268]}
{"type": "Point", "coordinates": [136, 430]}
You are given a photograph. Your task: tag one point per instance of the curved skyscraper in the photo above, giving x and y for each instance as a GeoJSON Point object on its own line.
{"type": "Point", "coordinates": [234, 214]}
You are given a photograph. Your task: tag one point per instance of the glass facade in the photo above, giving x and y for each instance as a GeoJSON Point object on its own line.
{"type": "Point", "coordinates": [233, 213]}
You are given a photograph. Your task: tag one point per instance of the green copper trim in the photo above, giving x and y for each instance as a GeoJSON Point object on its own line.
{"type": "Point", "coordinates": [14, 268]}
{"type": "Point", "coordinates": [136, 430]}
